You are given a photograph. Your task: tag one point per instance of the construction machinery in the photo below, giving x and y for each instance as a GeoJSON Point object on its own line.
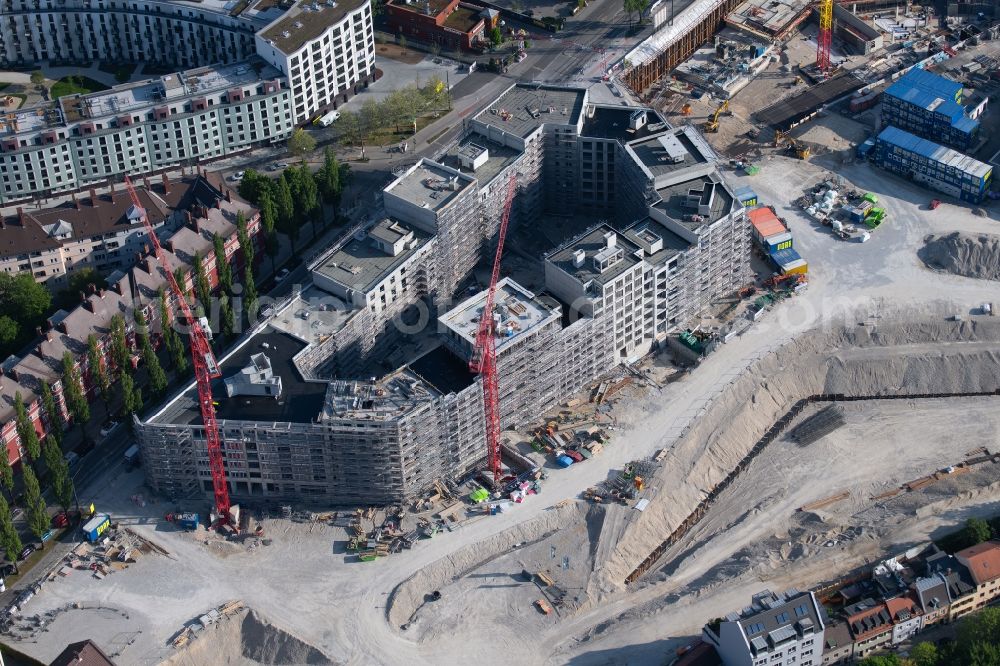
{"type": "Point", "coordinates": [484, 355]}
{"type": "Point", "coordinates": [205, 366]}
{"type": "Point", "coordinates": [875, 217]}
{"type": "Point", "coordinates": [712, 124]}
{"type": "Point", "coordinates": [799, 149]}
{"type": "Point", "coordinates": [825, 36]}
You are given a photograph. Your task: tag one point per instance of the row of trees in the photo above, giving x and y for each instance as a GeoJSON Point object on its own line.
{"type": "Point", "coordinates": [294, 199]}
{"type": "Point", "coordinates": [977, 643]}
{"type": "Point", "coordinates": [400, 108]}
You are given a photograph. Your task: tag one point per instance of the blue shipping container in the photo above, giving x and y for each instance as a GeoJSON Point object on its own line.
{"type": "Point", "coordinates": [564, 461]}
{"type": "Point", "coordinates": [96, 526]}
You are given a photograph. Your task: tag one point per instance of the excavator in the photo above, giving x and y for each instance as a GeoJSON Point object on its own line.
{"type": "Point", "coordinates": [712, 124]}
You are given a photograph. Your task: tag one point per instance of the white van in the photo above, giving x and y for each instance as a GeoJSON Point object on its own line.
{"type": "Point", "coordinates": [328, 119]}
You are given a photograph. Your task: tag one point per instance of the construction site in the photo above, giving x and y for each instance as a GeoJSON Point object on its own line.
{"type": "Point", "coordinates": [587, 379]}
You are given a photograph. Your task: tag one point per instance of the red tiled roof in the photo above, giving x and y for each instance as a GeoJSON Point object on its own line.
{"type": "Point", "coordinates": [983, 561]}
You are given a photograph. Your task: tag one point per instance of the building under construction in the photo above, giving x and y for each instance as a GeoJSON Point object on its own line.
{"type": "Point", "coordinates": [376, 398]}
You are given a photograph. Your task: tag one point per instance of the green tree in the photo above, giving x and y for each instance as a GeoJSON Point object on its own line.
{"type": "Point", "coordinates": [307, 199]}
{"type": "Point", "coordinates": [62, 483]}
{"type": "Point", "coordinates": [250, 297]}
{"type": "Point", "coordinates": [37, 77]}
{"type": "Point", "coordinates": [120, 355]}
{"type": "Point", "coordinates": [301, 143]}
{"type": "Point", "coordinates": [328, 178]}
{"type": "Point", "coordinates": [496, 36]}
{"type": "Point", "coordinates": [131, 397]}
{"type": "Point", "coordinates": [924, 654]}
{"type": "Point", "coordinates": [23, 299]}
{"type": "Point", "coordinates": [881, 660]}
{"type": "Point", "coordinates": [225, 271]}
{"type": "Point", "coordinates": [26, 428]}
{"type": "Point", "coordinates": [73, 391]}
{"type": "Point", "coordinates": [202, 287]}
{"type": "Point", "coordinates": [246, 244]}
{"type": "Point", "coordinates": [157, 377]}
{"type": "Point", "coordinates": [228, 318]}
{"type": "Point", "coordinates": [976, 531]}
{"type": "Point", "coordinates": [635, 7]}
{"type": "Point", "coordinates": [372, 116]}
{"type": "Point", "coordinates": [11, 540]}
{"type": "Point", "coordinates": [98, 371]}
{"type": "Point", "coordinates": [377, 6]}
{"type": "Point", "coordinates": [52, 412]}
{"type": "Point", "coordinates": [253, 185]}
{"type": "Point", "coordinates": [402, 43]}
{"type": "Point", "coordinates": [6, 473]}
{"type": "Point", "coordinates": [34, 506]}
{"type": "Point", "coordinates": [286, 207]}
{"type": "Point", "coordinates": [9, 330]}
{"type": "Point", "coordinates": [349, 130]}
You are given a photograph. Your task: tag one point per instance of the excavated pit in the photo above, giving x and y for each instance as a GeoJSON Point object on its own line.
{"type": "Point", "coordinates": [963, 254]}
{"type": "Point", "coordinates": [247, 639]}
{"type": "Point", "coordinates": [896, 358]}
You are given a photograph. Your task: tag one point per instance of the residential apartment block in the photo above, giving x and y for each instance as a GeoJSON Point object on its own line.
{"type": "Point", "coordinates": [243, 81]}
{"type": "Point", "coordinates": [188, 214]}
{"type": "Point", "coordinates": [775, 630]}
{"type": "Point", "coordinates": [983, 564]}
{"type": "Point", "coordinates": [377, 399]}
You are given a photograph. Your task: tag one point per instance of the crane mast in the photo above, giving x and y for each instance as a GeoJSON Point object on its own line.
{"type": "Point", "coordinates": [484, 354]}
{"type": "Point", "coordinates": [825, 35]}
{"type": "Point", "coordinates": [205, 366]}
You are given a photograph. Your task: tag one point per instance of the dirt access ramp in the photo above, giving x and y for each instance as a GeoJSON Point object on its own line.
{"type": "Point", "coordinates": [896, 358]}
{"type": "Point", "coordinates": [246, 639]}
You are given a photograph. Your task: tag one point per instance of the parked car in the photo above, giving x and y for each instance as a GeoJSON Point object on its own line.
{"type": "Point", "coordinates": [46, 536]}
{"type": "Point", "coordinates": [278, 166]}
{"type": "Point", "coordinates": [72, 458]}
{"type": "Point", "coordinates": [108, 428]}
{"type": "Point", "coordinates": [26, 552]}
{"type": "Point", "coordinates": [61, 519]}
{"type": "Point", "coordinates": [7, 570]}
{"type": "Point", "coordinates": [282, 274]}
{"type": "Point", "coordinates": [238, 176]}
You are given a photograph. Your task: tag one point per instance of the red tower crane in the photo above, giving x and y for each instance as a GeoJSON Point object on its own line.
{"type": "Point", "coordinates": [205, 367]}
{"type": "Point", "coordinates": [824, 36]}
{"type": "Point", "coordinates": [484, 354]}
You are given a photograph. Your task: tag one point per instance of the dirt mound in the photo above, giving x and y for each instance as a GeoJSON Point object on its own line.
{"type": "Point", "coordinates": [962, 254]}
{"type": "Point", "coordinates": [247, 639]}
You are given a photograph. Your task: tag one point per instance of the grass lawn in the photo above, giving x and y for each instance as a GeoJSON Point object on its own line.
{"type": "Point", "coordinates": [78, 85]}
{"type": "Point", "coordinates": [3, 84]}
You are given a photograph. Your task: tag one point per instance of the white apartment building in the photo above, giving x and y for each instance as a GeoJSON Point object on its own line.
{"type": "Point", "coordinates": [784, 629]}
{"type": "Point", "coordinates": [280, 65]}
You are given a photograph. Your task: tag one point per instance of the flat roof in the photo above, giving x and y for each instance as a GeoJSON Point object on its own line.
{"type": "Point", "coordinates": [463, 19]}
{"type": "Point", "coordinates": [162, 89]}
{"type": "Point", "coordinates": [519, 311]}
{"type": "Point", "coordinates": [674, 200]}
{"type": "Point", "coordinates": [428, 185]}
{"type": "Point", "coordinates": [500, 157]}
{"type": "Point", "coordinates": [383, 399]}
{"type": "Point", "coordinates": [593, 242]}
{"type": "Point", "coordinates": [306, 21]}
{"type": "Point", "coordinates": [612, 122]}
{"type": "Point", "coordinates": [523, 108]}
{"type": "Point", "coordinates": [650, 234]}
{"type": "Point", "coordinates": [657, 152]}
{"type": "Point", "coordinates": [360, 264]}
{"type": "Point", "coordinates": [933, 151]}
{"type": "Point", "coordinates": [790, 111]}
{"type": "Point", "coordinates": [300, 401]}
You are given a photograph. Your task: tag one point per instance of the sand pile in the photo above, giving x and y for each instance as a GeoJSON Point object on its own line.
{"type": "Point", "coordinates": [963, 254]}
{"type": "Point", "coordinates": [247, 639]}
